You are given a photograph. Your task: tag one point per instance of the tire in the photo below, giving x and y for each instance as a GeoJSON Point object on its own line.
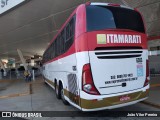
{"type": "Point", "coordinates": [58, 92]}
{"type": "Point", "coordinates": [65, 102]}
{"type": "Point", "coordinates": [45, 83]}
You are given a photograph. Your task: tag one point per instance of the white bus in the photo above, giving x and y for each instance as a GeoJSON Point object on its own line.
{"type": "Point", "coordinates": [99, 58]}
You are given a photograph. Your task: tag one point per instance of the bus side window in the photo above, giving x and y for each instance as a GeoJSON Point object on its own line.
{"type": "Point", "coordinates": [58, 45]}
{"type": "Point", "coordinates": [47, 55]}
{"type": "Point", "coordinates": [56, 48]}
{"type": "Point", "coordinates": [69, 33]}
{"type": "Point", "coordinates": [62, 43]}
{"type": "Point", "coordinates": [52, 50]}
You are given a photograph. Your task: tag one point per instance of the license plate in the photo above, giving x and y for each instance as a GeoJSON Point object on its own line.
{"type": "Point", "coordinates": [124, 98]}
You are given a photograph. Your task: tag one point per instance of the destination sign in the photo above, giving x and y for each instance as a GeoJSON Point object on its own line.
{"type": "Point", "coordinates": [6, 5]}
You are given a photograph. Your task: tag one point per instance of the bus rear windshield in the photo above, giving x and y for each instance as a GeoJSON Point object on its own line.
{"type": "Point", "coordinates": [107, 17]}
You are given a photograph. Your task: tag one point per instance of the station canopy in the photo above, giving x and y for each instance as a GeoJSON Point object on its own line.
{"type": "Point", "coordinates": [32, 25]}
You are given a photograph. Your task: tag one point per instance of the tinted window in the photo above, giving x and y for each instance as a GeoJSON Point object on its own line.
{"type": "Point", "coordinates": [70, 34]}
{"type": "Point", "coordinates": [107, 17]}
{"type": "Point", "coordinates": [53, 50]}
{"type": "Point", "coordinates": [62, 43]}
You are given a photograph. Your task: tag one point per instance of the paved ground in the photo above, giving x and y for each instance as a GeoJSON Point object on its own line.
{"type": "Point", "coordinates": [13, 87]}
{"type": "Point", "coordinates": [44, 99]}
{"type": "Point", "coordinates": [155, 79]}
{"type": "Point", "coordinates": [154, 94]}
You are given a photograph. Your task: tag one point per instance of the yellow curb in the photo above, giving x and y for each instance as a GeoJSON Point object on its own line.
{"type": "Point", "coordinates": [15, 95]}
{"type": "Point", "coordinates": [8, 81]}
{"type": "Point", "coordinates": [151, 104]}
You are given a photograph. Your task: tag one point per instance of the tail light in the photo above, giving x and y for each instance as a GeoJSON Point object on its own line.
{"type": "Point", "coordinates": [87, 81]}
{"type": "Point", "coordinates": [147, 74]}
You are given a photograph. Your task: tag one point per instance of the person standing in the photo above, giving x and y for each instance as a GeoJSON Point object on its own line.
{"type": "Point", "coordinates": [27, 76]}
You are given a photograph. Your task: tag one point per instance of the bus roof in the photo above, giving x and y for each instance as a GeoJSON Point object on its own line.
{"type": "Point", "coordinates": [110, 4]}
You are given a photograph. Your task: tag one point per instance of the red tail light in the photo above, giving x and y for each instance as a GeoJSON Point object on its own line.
{"type": "Point", "coordinates": [147, 74]}
{"type": "Point", "coordinates": [87, 81]}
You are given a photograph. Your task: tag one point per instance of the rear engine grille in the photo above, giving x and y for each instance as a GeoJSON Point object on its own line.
{"type": "Point", "coordinates": [118, 54]}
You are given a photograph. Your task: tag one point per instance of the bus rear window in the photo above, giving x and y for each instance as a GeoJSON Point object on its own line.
{"type": "Point", "coordinates": [107, 17]}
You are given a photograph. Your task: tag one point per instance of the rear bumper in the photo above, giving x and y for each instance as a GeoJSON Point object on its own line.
{"type": "Point", "coordinates": [114, 101]}
{"type": "Point", "coordinates": [115, 106]}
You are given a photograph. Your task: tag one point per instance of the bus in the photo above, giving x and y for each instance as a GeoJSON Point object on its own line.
{"type": "Point", "coordinates": [99, 59]}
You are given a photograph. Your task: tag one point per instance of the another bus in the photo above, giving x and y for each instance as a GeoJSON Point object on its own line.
{"type": "Point", "coordinates": [99, 58]}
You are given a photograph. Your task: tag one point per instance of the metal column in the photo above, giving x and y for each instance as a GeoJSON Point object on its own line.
{"type": "Point", "coordinates": [1, 64]}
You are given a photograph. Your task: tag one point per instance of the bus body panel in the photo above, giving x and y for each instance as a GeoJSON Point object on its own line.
{"type": "Point", "coordinates": [118, 70]}
{"type": "Point", "coordinates": [116, 38]}
{"type": "Point", "coordinates": [109, 75]}
{"type": "Point", "coordinates": [80, 20]}
{"type": "Point", "coordinates": [106, 101]}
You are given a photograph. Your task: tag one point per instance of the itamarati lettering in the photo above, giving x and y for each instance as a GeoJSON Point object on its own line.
{"type": "Point", "coordinates": [119, 38]}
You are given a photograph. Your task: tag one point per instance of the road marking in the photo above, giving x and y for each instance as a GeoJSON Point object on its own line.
{"type": "Point", "coordinates": [151, 104]}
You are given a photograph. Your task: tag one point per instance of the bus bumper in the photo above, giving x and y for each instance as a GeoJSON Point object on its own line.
{"type": "Point", "coordinates": [113, 102]}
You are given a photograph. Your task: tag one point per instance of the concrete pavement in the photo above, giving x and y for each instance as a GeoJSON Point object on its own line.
{"type": "Point", "coordinates": [43, 98]}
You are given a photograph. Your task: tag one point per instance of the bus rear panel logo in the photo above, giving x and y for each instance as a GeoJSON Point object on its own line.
{"type": "Point", "coordinates": [118, 38]}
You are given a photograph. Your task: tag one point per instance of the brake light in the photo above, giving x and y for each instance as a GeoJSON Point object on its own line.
{"type": "Point", "coordinates": [147, 74]}
{"type": "Point", "coordinates": [87, 81]}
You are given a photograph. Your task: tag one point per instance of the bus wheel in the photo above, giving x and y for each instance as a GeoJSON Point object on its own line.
{"type": "Point", "coordinates": [45, 83]}
{"type": "Point", "coordinates": [58, 92]}
{"type": "Point", "coordinates": [62, 96]}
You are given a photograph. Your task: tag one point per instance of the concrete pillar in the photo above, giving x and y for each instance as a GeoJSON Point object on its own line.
{"type": "Point", "coordinates": [4, 73]}
{"type": "Point", "coordinates": [14, 65]}
{"type": "Point", "coordinates": [32, 62]}
{"type": "Point", "coordinates": [3, 67]}
{"type": "Point", "coordinates": [0, 75]}
{"type": "Point", "coordinates": [33, 75]}
{"type": "Point", "coordinates": [17, 74]}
